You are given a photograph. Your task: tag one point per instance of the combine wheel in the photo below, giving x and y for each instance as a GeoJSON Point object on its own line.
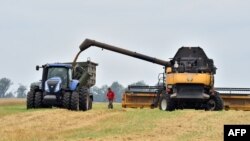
{"type": "Point", "coordinates": [215, 103]}
{"type": "Point", "coordinates": [30, 99]}
{"type": "Point", "coordinates": [166, 104]}
{"type": "Point", "coordinates": [38, 100]}
{"type": "Point", "coordinates": [66, 100]}
{"type": "Point", "coordinates": [74, 101]}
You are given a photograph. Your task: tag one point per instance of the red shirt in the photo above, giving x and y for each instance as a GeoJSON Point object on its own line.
{"type": "Point", "coordinates": [110, 95]}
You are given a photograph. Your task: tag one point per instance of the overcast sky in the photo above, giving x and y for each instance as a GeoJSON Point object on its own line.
{"type": "Point", "coordinates": [46, 31]}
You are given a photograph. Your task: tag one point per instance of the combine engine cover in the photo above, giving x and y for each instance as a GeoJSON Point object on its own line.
{"type": "Point", "coordinates": [192, 60]}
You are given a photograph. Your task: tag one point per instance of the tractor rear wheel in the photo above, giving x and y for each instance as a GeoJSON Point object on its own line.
{"type": "Point", "coordinates": [38, 100]}
{"type": "Point", "coordinates": [30, 100]}
{"type": "Point", "coordinates": [166, 104]}
{"type": "Point", "coordinates": [215, 103]}
{"type": "Point", "coordinates": [66, 100]}
{"type": "Point", "coordinates": [74, 101]}
{"type": "Point", "coordinates": [84, 100]}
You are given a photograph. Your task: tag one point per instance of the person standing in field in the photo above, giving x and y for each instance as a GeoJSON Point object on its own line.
{"type": "Point", "coordinates": [110, 97]}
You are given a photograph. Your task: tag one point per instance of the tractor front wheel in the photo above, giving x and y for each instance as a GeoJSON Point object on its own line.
{"type": "Point", "coordinates": [66, 100]}
{"type": "Point", "coordinates": [30, 100]}
{"type": "Point", "coordinates": [74, 101]}
{"type": "Point", "coordinates": [38, 100]}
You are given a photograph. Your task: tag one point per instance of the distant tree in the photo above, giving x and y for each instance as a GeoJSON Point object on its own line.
{"type": "Point", "coordinates": [5, 84]}
{"type": "Point", "coordinates": [94, 90]}
{"type": "Point", "coordinates": [21, 91]}
{"type": "Point", "coordinates": [9, 95]}
{"type": "Point", "coordinates": [99, 93]}
{"type": "Point", "coordinates": [118, 90]}
{"type": "Point", "coordinates": [103, 92]}
{"type": "Point", "coordinates": [96, 93]}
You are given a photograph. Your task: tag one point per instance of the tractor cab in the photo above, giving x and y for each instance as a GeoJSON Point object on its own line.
{"type": "Point", "coordinates": [57, 77]}
{"type": "Point", "coordinates": [56, 80]}
{"type": "Point", "coordinates": [59, 73]}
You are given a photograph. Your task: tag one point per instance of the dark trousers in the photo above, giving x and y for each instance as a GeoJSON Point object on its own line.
{"type": "Point", "coordinates": [110, 106]}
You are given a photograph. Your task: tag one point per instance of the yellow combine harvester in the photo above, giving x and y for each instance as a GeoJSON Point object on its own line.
{"type": "Point", "coordinates": [189, 78]}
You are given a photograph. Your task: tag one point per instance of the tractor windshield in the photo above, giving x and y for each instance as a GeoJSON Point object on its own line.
{"type": "Point", "coordinates": [61, 72]}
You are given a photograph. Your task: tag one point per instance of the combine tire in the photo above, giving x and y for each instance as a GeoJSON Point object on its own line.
{"type": "Point", "coordinates": [84, 100]}
{"type": "Point", "coordinates": [30, 99]}
{"type": "Point", "coordinates": [166, 104]}
{"type": "Point", "coordinates": [38, 100]}
{"type": "Point", "coordinates": [215, 103]}
{"type": "Point", "coordinates": [66, 100]}
{"type": "Point", "coordinates": [74, 101]}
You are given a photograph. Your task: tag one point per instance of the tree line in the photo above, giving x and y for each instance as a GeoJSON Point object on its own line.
{"type": "Point", "coordinates": [5, 84]}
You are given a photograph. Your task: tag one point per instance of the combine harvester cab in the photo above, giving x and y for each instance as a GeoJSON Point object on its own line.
{"type": "Point", "coordinates": [63, 86]}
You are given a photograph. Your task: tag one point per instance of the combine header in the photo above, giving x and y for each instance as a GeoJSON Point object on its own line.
{"type": "Point", "coordinates": [235, 98]}
{"type": "Point", "coordinates": [144, 97]}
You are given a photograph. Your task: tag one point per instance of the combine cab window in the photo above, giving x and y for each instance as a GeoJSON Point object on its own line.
{"type": "Point", "coordinates": [59, 72]}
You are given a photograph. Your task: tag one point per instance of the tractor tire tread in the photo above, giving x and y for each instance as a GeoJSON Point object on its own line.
{"type": "Point", "coordinates": [30, 100]}
{"type": "Point", "coordinates": [66, 100]}
{"type": "Point", "coordinates": [38, 100]}
{"type": "Point", "coordinates": [83, 95]}
{"type": "Point", "coordinates": [74, 102]}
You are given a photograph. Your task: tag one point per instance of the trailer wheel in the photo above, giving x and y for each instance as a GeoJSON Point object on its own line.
{"type": "Point", "coordinates": [215, 103]}
{"type": "Point", "coordinates": [166, 104]}
{"type": "Point", "coordinates": [38, 100]}
{"type": "Point", "coordinates": [90, 103]}
{"type": "Point", "coordinates": [66, 100]}
{"type": "Point", "coordinates": [74, 101]}
{"type": "Point", "coordinates": [84, 100]}
{"type": "Point", "coordinates": [30, 100]}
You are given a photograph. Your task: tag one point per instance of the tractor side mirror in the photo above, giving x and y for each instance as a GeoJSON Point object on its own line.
{"type": "Point", "coordinates": [37, 67]}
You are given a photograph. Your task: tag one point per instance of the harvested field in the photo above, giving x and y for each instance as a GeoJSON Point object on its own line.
{"type": "Point", "coordinates": [102, 124]}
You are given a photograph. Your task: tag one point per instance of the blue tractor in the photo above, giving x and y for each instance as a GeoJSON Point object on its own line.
{"type": "Point", "coordinates": [63, 85]}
